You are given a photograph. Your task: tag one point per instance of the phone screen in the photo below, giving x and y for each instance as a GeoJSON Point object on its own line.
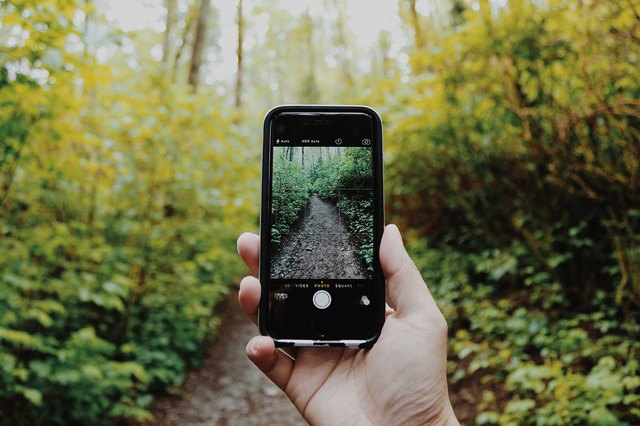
{"type": "Point", "coordinates": [322, 233]}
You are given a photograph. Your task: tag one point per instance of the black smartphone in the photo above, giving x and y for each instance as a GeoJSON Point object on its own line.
{"type": "Point", "coordinates": [321, 221]}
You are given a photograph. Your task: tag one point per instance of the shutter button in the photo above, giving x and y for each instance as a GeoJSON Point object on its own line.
{"type": "Point", "coordinates": [321, 299]}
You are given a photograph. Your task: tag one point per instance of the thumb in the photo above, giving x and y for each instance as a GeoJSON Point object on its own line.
{"type": "Point", "coordinates": [406, 290]}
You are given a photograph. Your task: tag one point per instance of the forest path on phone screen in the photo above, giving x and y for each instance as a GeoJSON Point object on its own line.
{"type": "Point", "coordinates": [318, 247]}
{"type": "Point", "coordinates": [228, 389]}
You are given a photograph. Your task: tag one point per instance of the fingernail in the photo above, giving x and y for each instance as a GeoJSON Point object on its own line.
{"type": "Point", "coordinates": [394, 229]}
{"type": "Point", "coordinates": [255, 344]}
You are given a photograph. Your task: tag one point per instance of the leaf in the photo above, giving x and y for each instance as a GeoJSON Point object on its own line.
{"type": "Point", "coordinates": [40, 316]}
{"type": "Point", "coordinates": [520, 406]}
{"type": "Point", "coordinates": [21, 338]}
{"type": "Point", "coordinates": [34, 396]}
{"type": "Point", "coordinates": [601, 416]}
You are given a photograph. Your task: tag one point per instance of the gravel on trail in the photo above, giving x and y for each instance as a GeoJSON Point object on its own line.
{"type": "Point", "coordinates": [228, 390]}
{"type": "Point", "coordinates": [319, 247]}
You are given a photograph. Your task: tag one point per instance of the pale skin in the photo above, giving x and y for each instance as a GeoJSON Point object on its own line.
{"type": "Point", "coordinates": [401, 380]}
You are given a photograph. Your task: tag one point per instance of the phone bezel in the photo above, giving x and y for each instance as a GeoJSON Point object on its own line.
{"type": "Point", "coordinates": [379, 291]}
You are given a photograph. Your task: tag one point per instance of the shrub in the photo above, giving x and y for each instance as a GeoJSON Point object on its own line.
{"type": "Point", "coordinates": [118, 215]}
{"type": "Point", "coordinates": [514, 170]}
{"type": "Point", "coordinates": [290, 192]}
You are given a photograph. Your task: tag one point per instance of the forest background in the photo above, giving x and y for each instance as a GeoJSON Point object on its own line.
{"type": "Point", "coordinates": [129, 162]}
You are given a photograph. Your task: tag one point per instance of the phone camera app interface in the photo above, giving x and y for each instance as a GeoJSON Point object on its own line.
{"type": "Point", "coordinates": [321, 233]}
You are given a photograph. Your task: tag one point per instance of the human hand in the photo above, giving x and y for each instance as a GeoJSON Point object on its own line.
{"type": "Point", "coordinates": [401, 380]}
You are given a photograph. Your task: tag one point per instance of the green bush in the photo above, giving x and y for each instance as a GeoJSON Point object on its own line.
{"type": "Point", "coordinates": [325, 176]}
{"type": "Point", "coordinates": [514, 171]}
{"type": "Point", "coordinates": [359, 220]}
{"type": "Point", "coordinates": [87, 333]}
{"type": "Point", "coordinates": [355, 172]}
{"type": "Point", "coordinates": [290, 192]}
{"type": "Point", "coordinates": [116, 237]}
{"type": "Point", "coordinates": [536, 359]}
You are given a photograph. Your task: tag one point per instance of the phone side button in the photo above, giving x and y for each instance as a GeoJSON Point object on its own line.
{"type": "Point", "coordinates": [321, 299]}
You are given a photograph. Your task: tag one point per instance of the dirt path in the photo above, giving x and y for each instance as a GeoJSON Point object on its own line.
{"type": "Point", "coordinates": [228, 389]}
{"type": "Point", "coordinates": [319, 247]}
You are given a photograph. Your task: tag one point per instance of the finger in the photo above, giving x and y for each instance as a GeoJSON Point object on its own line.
{"type": "Point", "coordinates": [249, 297]}
{"type": "Point", "coordinates": [249, 250]}
{"type": "Point", "coordinates": [277, 366]}
{"type": "Point", "coordinates": [406, 290]}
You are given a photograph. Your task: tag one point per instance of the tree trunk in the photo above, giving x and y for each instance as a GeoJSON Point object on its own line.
{"type": "Point", "coordinates": [415, 22]}
{"type": "Point", "coordinates": [198, 44]}
{"type": "Point", "coordinates": [310, 87]}
{"type": "Point", "coordinates": [188, 25]}
{"type": "Point", "coordinates": [343, 46]}
{"type": "Point", "coordinates": [168, 32]}
{"type": "Point", "coordinates": [485, 13]}
{"type": "Point", "coordinates": [239, 56]}
{"type": "Point", "coordinates": [384, 46]}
